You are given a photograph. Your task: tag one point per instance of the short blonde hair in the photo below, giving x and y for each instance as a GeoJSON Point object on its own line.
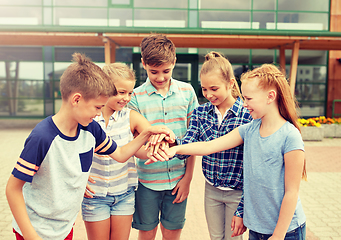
{"type": "Point", "coordinates": [119, 70]}
{"type": "Point", "coordinates": [87, 78]}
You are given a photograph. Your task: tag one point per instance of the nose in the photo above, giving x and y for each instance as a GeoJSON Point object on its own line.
{"type": "Point", "coordinates": [159, 77]}
{"type": "Point", "coordinates": [244, 104]}
{"type": "Point", "coordinates": [208, 95]}
{"type": "Point", "coordinates": [98, 113]}
{"type": "Point", "coordinates": [126, 98]}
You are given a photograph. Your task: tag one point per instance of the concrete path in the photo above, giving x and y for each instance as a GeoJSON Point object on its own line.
{"type": "Point", "coordinates": [321, 194]}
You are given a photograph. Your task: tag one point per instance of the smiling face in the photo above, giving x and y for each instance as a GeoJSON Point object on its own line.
{"type": "Point", "coordinates": [160, 76]}
{"type": "Point", "coordinates": [124, 89]}
{"type": "Point", "coordinates": [215, 89]}
{"type": "Point", "coordinates": [255, 98]}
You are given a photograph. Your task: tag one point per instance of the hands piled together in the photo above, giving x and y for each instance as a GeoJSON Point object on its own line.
{"type": "Point", "coordinates": [159, 147]}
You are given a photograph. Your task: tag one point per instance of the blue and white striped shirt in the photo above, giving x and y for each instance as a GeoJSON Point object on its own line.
{"type": "Point", "coordinates": [114, 178]}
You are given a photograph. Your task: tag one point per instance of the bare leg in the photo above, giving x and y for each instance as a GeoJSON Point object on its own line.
{"type": "Point", "coordinates": [170, 234]}
{"type": "Point", "coordinates": [147, 235]}
{"type": "Point", "coordinates": [98, 230]}
{"type": "Point", "coordinates": [120, 227]}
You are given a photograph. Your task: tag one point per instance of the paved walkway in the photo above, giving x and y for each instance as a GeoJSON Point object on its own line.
{"type": "Point", "coordinates": [321, 194]}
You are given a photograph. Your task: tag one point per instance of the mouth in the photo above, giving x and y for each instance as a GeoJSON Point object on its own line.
{"type": "Point", "coordinates": [122, 104]}
{"type": "Point", "coordinates": [213, 100]}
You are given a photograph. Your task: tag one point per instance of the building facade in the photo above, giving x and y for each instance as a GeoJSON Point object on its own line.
{"type": "Point", "coordinates": [38, 37]}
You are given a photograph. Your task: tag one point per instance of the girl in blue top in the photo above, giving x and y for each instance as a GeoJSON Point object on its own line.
{"type": "Point", "coordinates": [223, 170]}
{"type": "Point", "coordinates": [274, 161]}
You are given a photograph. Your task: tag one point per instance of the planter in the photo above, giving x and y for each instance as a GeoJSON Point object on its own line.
{"type": "Point", "coordinates": [337, 130]}
{"type": "Point", "coordinates": [311, 133]}
{"type": "Point", "coordinates": [329, 130]}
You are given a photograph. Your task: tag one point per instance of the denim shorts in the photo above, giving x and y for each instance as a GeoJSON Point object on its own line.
{"type": "Point", "coordinates": [100, 208]}
{"type": "Point", "coordinates": [296, 234]}
{"type": "Point", "coordinates": [150, 203]}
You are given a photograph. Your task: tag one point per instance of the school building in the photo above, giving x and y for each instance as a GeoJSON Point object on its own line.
{"type": "Point", "coordinates": [38, 37]}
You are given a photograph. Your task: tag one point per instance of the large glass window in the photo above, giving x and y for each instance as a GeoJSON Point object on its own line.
{"type": "Point", "coordinates": [160, 4]}
{"type": "Point", "coordinates": [310, 15]}
{"type": "Point", "coordinates": [20, 15]}
{"type": "Point", "coordinates": [120, 17]}
{"type": "Point", "coordinates": [159, 18]}
{"type": "Point", "coordinates": [264, 4]}
{"type": "Point", "coordinates": [85, 3]}
{"type": "Point", "coordinates": [263, 19]}
{"type": "Point", "coordinates": [224, 19]}
{"type": "Point", "coordinates": [301, 21]}
{"type": "Point", "coordinates": [226, 4]}
{"type": "Point", "coordinates": [303, 5]}
{"type": "Point", "coordinates": [81, 16]}
{"type": "Point", "coordinates": [20, 2]}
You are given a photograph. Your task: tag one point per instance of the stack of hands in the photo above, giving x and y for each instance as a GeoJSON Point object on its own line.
{"type": "Point", "coordinates": [160, 147]}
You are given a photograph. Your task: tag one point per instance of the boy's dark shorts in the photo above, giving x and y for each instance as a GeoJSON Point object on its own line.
{"type": "Point", "coordinates": [149, 203]}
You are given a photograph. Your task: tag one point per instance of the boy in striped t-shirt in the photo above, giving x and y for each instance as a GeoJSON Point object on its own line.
{"type": "Point", "coordinates": [163, 186]}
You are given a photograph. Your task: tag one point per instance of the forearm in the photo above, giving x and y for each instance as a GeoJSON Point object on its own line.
{"type": "Point", "coordinates": [286, 214]}
{"type": "Point", "coordinates": [197, 149]}
{"type": "Point", "coordinates": [123, 153]}
{"type": "Point", "coordinates": [142, 153]}
{"type": "Point", "coordinates": [225, 142]}
{"type": "Point", "coordinates": [190, 163]}
{"type": "Point", "coordinates": [18, 208]}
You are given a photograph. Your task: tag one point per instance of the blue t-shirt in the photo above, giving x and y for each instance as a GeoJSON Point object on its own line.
{"type": "Point", "coordinates": [56, 169]}
{"type": "Point", "coordinates": [264, 175]}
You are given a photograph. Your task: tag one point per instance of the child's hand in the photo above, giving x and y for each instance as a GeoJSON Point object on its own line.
{"type": "Point", "coordinates": [237, 226]}
{"type": "Point", "coordinates": [169, 136]}
{"type": "Point", "coordinates": [159, 154]}
{"type": "Point", "coordinates": [88, 189]}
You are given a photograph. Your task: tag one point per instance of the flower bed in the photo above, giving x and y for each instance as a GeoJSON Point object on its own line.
{"type": "Point", "coordinates": [313, 128]}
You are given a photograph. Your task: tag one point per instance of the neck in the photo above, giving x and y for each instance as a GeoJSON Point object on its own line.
{"type": "Point", "coordinates": [66, 124]}
{"type": "Point", "coordinates": [164, 90]}
{"type": "Point", "coordinates": [271, 122]}
{"type": "Point", "coordinates": [107, 112]}
{"type": "Point", "coordinates": [227, 104]}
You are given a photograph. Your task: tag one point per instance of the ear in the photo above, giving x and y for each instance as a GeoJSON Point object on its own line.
{"type": "Point", "coordinates": [174, 61]}
{"type": "Point", "coordinates": [232, 82]}
{"type": "Point", "coordinates": [272, 94]}
{"type": "Point", "coordinates": [75, 98]}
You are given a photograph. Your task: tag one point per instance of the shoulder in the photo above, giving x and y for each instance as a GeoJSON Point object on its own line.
{"type": "Point", "coordinates": [203, 108]}
{"type": "Point", "coordinates": [44, 131]}
{"type": "Point", "coordinates": [94, 128]}
{"type": "Point", "coordinates": [291, 138]}
{"type": "Point", "coordinates": [292, 132]}
{"type": "Point", "coordinates": [249, 127]}
{"type": "Point", "coordinates": [182, 85]}
{"type": "Point", "coordinates": [139, 89]}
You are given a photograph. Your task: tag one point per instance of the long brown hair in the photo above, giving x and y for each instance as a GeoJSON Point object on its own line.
{"type": "Point", "coordinates": [270, 76]}
{"type": "Point", "coordinates": [215, 60]}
